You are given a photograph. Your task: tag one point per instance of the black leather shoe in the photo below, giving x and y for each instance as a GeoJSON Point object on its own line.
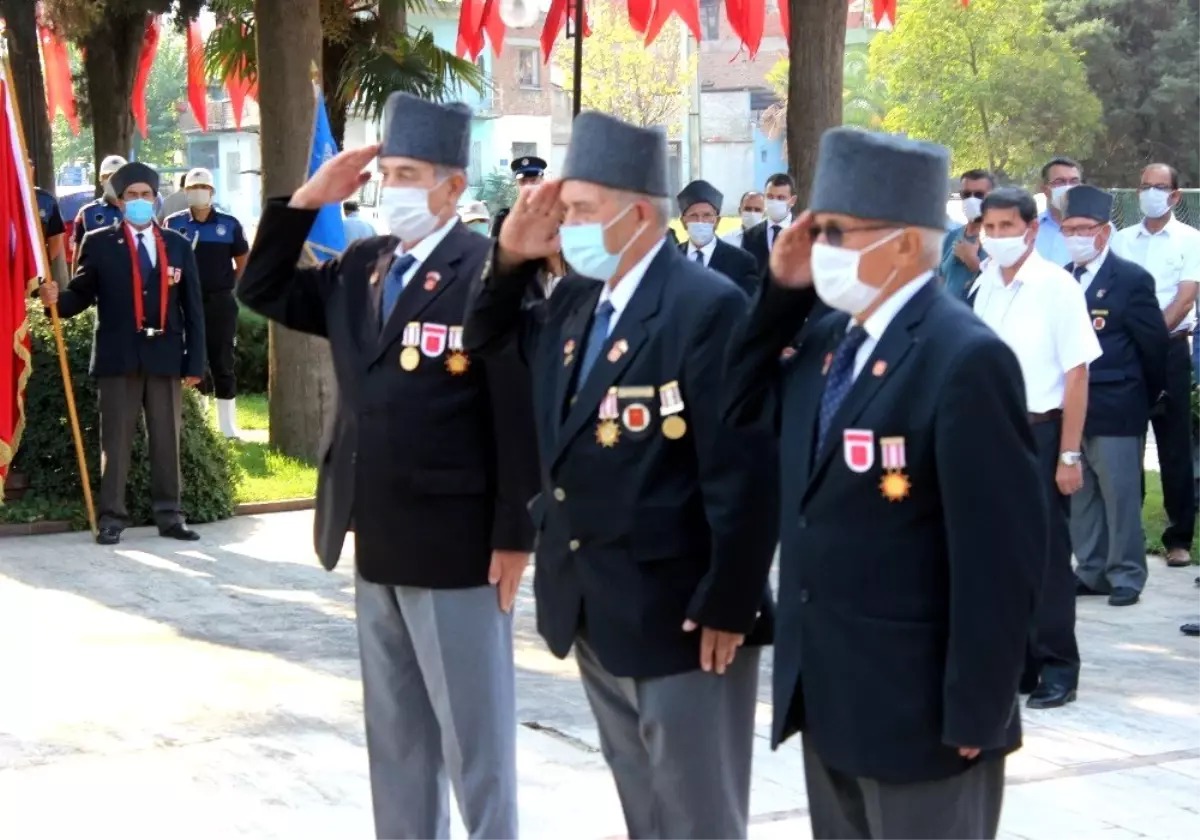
{"type": "Point", "coordinates": [108, 536]}
{"type": "Point", "coordinates": [1082, 588]}
{"type": "Point", "coordinates": [1123, 596]}
{"type": "Point", "coordinates": [179, 531]}
{"type": "Point", "coordinates": [1050, 697]}
{"type": "Point", "coordinates": [1190, 629]}
{"type": "Point", "coordinates": [1029, 683]}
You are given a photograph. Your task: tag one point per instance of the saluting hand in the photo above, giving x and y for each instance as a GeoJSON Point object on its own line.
{"type": "Point", "coordinates": [792, 254]}
{"type": "Point", "coordinates": [530, 230]}
{"type": "Point", "coordinates": [505, 574]}
{"type": "Point", "coordinates": [717, 647]}
{"type": "Point", "coordinates": [338, 178]}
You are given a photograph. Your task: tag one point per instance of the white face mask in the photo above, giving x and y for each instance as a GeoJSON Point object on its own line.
{"type": "Point", "coordinates": [972, 208]}
{"type": "Point", "coordinates": [777, 210]}
{"type": "Point", "coordinates": [835, 276]}
{"type": "Point", "coordinates": [750, 218]}
{"type": "Point", "coordinates": [1154, 203]}
{"type": "Point", "coordinates": [405, 211]}
{"type": "Point", "coordinates": [199, 198]}
{"type": "Point", "coordinates": [1058, 195]}
{"type": "Point", "coordinates": [1081, 248]}
{"type": "Point", "coordinates": [1005, 250]}
{"type": "Point", "coordinates": [701, 233]}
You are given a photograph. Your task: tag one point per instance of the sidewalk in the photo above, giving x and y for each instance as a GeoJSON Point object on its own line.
{"type": "Point", "coordinates": [211, 690]}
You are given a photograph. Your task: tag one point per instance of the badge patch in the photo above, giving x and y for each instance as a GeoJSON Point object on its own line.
{"type": "Point", "coordinates": [786, 353]}
{"type": "Point", "coordinates": [173, 276]}
{"type": "Point", "coordinates": [43, 214]}
{"type": "Point", "coordinates": [635, 392]}
{"type": "Point", "coordinates": [1100, 293]}
{"type": "Point", "coordinates": [569, 352]}
{"type": "Point", "coordinates": [879, 369]}
{"type": "Point", "coordinates": [433, 339]}
{"type": "Point", "coordinates": [1098, 323]}
{"type": "Point", "coordinates": [858, 448]}
{"type": "Point", "coordinates": [431, 281]}
{"type": "Point", "coordinates": [99, 218]}
{"type": "Point", "coordinates": [220, 230]}
{"type": "Point", "coordinates": [636, 417]}
{"type": "Point", "coordinates": [825, 365]}
{"type": "Point", "coordinates": [618, 349]}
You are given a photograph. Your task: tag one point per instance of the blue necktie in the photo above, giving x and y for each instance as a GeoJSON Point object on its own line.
{"type": "Point", "coordinates": [393, 284]}
{"type": "Point", "coordinates": [699, 257]}
{"type": "Point", "coordinates": [838, 381]}
{"type": "Point", "coordinates": [1078, 271]}
{"type": "Point", "coordinates": [595, 342]}
{"type": "Point", "coordinates": [146, 267]}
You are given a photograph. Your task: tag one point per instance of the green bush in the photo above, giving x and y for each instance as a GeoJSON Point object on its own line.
{"type": "Point", "coordinates": [251, 354]}
{"type": "Point", "coordinates": [47, 453]}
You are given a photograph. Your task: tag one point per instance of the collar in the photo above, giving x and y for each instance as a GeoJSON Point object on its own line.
{"type": "Point", "coordinates": [620, 295]}
{"type": "Point", "coordinates": [1047, 220]}
{"type": "Point", "coordinates": [212, 216]}
{"type": "Point", "coordinates": [879, 320]}
{"type": "Point", "coordinates": [1097, 261]}
{"type": "Point", "coordinates": [1166, 231]}
{"type": "Point", "coordinates": [707, 250]}
{"type": "Point", "coordinates": [421, 251]}
{"type": "Point", "coordinates": [134, 232]}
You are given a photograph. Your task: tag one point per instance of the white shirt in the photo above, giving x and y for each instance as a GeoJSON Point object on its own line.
{"type": "Point", "coordinates": [146, 235]}
{"type": "Point", "coordinates": [1172, 256]}
{"type": "Point", "coordinates": [707, 250]}
{"type": "Point", "coordinates": [771, 225]}
{"type": "Point", "coordinates": [1092, 268]}
{"type": "Point", "coordinates": [1042, 315]}
{"type": "Point", "coordinates": [877, 324]}
{"type": "Point", "coordinates": [735, 238]}
{"type": "Point", "coordinates": [620, 295]}
{"type": "Point", "coordinates": [424, 248]}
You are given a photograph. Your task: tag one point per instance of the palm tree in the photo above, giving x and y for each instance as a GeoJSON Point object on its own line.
{"type": "Point", "coordinates": [367, 52]}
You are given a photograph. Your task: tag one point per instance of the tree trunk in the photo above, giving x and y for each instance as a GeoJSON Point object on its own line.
{"type": "Point", "coordinates": [21, 33]}
{"type": "Point", "coordinates": [303, 391]}
{"type": "Point", "coordinates": [818, 45]}
{"type": "Point", "coordinates": [332, 56]}
{"type": "Point", "coordinates": [393, 18]}
{"type": "Point", "coordinates": [110, 61]}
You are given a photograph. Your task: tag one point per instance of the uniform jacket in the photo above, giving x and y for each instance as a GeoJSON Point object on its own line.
{"type": "Point", "coordinates": [498, 221]}
{"type": "Point", "coordinates": [636, 537]}
{"type": "Point", "coordinates": [733, 263]}
{"type": "Point", "coordinates": [104, 277]}
{"type": "Point", "coordinates": [754, 240]}
{"type": "Point", "coordinates": [432, 469]}
{"type": "Point", "coordinates": [1125, 382]}
{"type": "Point", "coordinates": [219, 231]}
{"type": "Point", "coordinates": [95, 215]}
{"type": "Point", "coordinates": [48, 213]}
{"type": "Point", "coordinates": [901, 624]}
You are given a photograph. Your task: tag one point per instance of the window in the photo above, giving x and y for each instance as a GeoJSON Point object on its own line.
{"type": "Point", "coordinates": [529, 69]}
{"type": "Point", "coordinates": [520, 150]}
{"type": "Point", "coordinates": [710, 20]}
{"type": "Point", "coordinates": [204, 153]}
{"type": "Point", "coordinates": [233, 171]}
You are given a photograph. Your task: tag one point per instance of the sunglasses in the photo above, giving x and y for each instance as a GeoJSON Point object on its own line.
{"type": "Point", "coordinates": [834, 234]}
{"type": "Point", "coordinates": [980, 194]}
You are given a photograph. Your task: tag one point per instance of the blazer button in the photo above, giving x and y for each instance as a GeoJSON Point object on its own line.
{"type": "Point", "coordinates": [573, 545]}
{"type": "Point", "coordinates": [804, 596]}
{"type": "Point", "coordinates": [560, 495]}
{"type": "Point", "coordinates": [802, 522]}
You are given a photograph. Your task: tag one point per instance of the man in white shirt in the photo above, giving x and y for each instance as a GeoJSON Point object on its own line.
{"type": "Point", "coordinates": [751, 209]}
{"type": "Point", "coordinates": [1170, 251]}
{"type": "Point", "coordinates": [1040, 312]}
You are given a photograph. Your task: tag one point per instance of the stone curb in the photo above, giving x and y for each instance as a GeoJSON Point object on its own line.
{"type": "Point", "coordinates": [58, 526]}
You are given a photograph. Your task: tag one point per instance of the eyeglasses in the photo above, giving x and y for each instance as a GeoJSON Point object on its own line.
{"type": "Point", "coordinates": [1085, 230]}
{"type": "Point", "coordinates": [702, 218]}
{"type": "Point", "coordinates": [1160, 187]}
{"type": "Point", "coordinates": [834, 235]}
{"type": "Point", "coordinates": [980, 194]}
{"type": "Point", "coordinates": [1066, 182]}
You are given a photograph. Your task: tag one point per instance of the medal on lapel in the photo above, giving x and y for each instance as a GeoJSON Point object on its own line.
{"type": "Point", "coordinates": [618, 350]}
{"type": "Point", "coordinates": [431, 281]}
{"type": "Point", "coordinates": [607, 430]}
{"type": "Point", "coordinates": [670, 405]}
{"type": "Point", "coordinates": [879, 369]}
{"type": "Point", "coordinates": [894, 485]}
{"type": "Point", "coordinates": [569, 352]}
{"type": "Point", "coordinates": [433, 339]}
{"type": "Point", "coordinates": [825, 365]}
{"type": "Point", "coordinates": [457, 361]}
{"type": "Point", "coordinates": [410, 356]}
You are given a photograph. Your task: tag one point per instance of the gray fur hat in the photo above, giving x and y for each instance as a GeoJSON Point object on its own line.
{"type": "Point", "coordinates": [429, 131]}
{"type": "Point", "coordinates": [606, 151]}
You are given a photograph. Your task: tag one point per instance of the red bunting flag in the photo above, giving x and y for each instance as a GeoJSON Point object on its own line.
{"type": "Point", "coordinates": [560, 12]}
{"type": "Point", "coordinates": [145, 62]}
{"type": "Point", "coordinates": [785, 20]}
{"type": "Point", "coordinates": [197, 87]}
{"type": "Point", "coordinates": [60, 95]}
{"type": "Point", "coordinates": [239, 85]}
{"type": "Point", "coordinates": [470, 32]}
{"type": "Point", "coordinates": [754, 14]}
{"type": "Point", "coordinates": [639, 14]}
{"type": "Point", "coordinates": [688, 11]}
{"type": "Point", "coordinates": [493, 26]}
{"type": "Point", "coordinates": [887, 8]}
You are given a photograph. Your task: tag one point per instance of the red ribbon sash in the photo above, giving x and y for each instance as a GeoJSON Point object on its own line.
{"type": "Point", "coordinates": [139, 314]}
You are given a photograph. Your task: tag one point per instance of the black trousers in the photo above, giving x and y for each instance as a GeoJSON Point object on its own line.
{"type": "Point", "coordinates": [220, 333]}
{"type": "Point", "coordinates": [1173, 434]}
{"type": "Point", "coordinates": [1053, 654]}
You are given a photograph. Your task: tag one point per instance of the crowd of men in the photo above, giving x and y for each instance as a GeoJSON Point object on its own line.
{"type": "Point", "coordinates": [654, 419]}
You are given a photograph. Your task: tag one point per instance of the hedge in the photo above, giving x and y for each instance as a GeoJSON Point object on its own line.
{"type": "Point", "coordinates": [251, 353]}
{"type": "Point", "coordinates": [47, 454]}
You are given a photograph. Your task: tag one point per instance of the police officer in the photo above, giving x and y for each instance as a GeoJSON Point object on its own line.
{"type": "Point", "coordinates": [527, 172]}
{"type": "Point", "coordinates": [52, 231]}
{"type": "Point", "coordinates": [914, 525]}
{"type": "Point", "coordinates": [104, 211]}
{"type": "Point", "coordinates": [430, 458]}
{"type": "Point", "coordinates": [221, 252]}
{"type": "Point", "coordinates": [656, 525]}
{"type": "Point", "coordinates": [149, 335]}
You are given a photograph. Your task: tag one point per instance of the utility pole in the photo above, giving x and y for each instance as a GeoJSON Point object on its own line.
{"type": "Point", "coordinates": [691, 50]}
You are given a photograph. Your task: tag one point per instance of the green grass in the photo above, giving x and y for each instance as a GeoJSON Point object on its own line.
{"type": "Point", "coordinates": [268, 476]}
{"type": "Point", "coordinates": [1154, 518]}
{"type": "Point", "coordinates": [253, 412]}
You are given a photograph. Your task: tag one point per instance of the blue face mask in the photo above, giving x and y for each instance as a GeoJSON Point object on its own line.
{"type": "Point", "coordinates": [583, 248]}
{"type": "Point", "coordinates": [479, 227]}
{"type": "Point", "coordinates": [701, 233]}
{"type": "Point", "coordinates": [139, 211]}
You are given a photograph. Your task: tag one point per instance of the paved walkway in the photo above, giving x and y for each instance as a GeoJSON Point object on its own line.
{"type": "Point", "coordinates": [212, 691]}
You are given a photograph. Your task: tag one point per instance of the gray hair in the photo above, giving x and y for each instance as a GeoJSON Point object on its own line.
{"type": "Point", "coordinates": [664, 208]}
{"type": "Point", "coordinates": [931, 246]}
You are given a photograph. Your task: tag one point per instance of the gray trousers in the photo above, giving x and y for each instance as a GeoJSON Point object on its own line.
{"type": "Point", "coordinates": [439, 697]}
{"type": "Point", "coordinates": [679, 747]}
{"type": "Point", "coordinates": [1106, 515]}
{"type": "Point", "coordinates": [845, 807]}
{"type": "Point", "coordinates": [122, 400]}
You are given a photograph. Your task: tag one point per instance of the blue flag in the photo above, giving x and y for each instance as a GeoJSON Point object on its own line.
{"type": "Point", "coordinates": [327, 238]}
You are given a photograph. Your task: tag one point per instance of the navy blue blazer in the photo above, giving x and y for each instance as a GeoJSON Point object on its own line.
{"type": "Point", "coordinates": [902, 619]}
{"type": "Point", "coordinates": [668, 523]}
{"type": "Point", "coordinates": [1130, 377]}
{"type": "Point", "coordinates": [104, 277]}
{"type": "Point", "coordinates": [734, 263]}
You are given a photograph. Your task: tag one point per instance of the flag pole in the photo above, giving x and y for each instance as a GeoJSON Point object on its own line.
{"type": "Point", "coordinates": [55, 323]}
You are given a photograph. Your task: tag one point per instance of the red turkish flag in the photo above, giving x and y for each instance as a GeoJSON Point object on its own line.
{"type": "Point", "coordinates": [785, 20]}
{"type": "Point", "coordinates": [887, 8]}
{"type": "Point", "coordinates": [639, 14]}
{"type": "Point", "coordinates": [754, 14]}
{"type": "Point", "coordinates": [493, 26]}
{"type": "Point", "coordinates": [240, 86]}
{"type": "Point", "coordinates": [560, 12]}
{"type": "Point", "coordinates": [688, 11]}
{"type": "Point", "coordinates": [197, 87]}
{"type": "Point", "coordinates": [470, 37]}
{"type": "Point", "coordinates": [60, 95]}
{"type": "Point", "coordinates": [145, 62]}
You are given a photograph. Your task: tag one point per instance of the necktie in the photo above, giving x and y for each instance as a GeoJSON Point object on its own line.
{"type": "Point", "coordinates": [699, 257]}
{"type": "Point", "coordinates": [1079, 271]}
{"type": "Point", "coordinates": [146, 267]}
{"type": "Point", "coordinates": [595, 342]}
{"type": "Point", "coordinates": [775, 229]}
{"type": "Point", "coordinates": [393, 284]}
{"type": "Point", "coordinates": [838, 381]}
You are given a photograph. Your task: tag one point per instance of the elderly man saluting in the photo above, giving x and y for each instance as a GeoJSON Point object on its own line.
{"type": "Point", "coordinates": [914, 527]}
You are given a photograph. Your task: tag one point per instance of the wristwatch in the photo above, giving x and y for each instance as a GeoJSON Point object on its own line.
{"type": "Point", "coordinates": [1070, 459]}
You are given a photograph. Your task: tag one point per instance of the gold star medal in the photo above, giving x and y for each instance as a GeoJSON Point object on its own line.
{"type": "Point", "coordinates": [410, 356]}
{"type": "Point", "coordinates": [894, 485]}
{"type": "Point", "coordinates": [608, 432]}
{"type": "Point", "coordinates": [456, 360]}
